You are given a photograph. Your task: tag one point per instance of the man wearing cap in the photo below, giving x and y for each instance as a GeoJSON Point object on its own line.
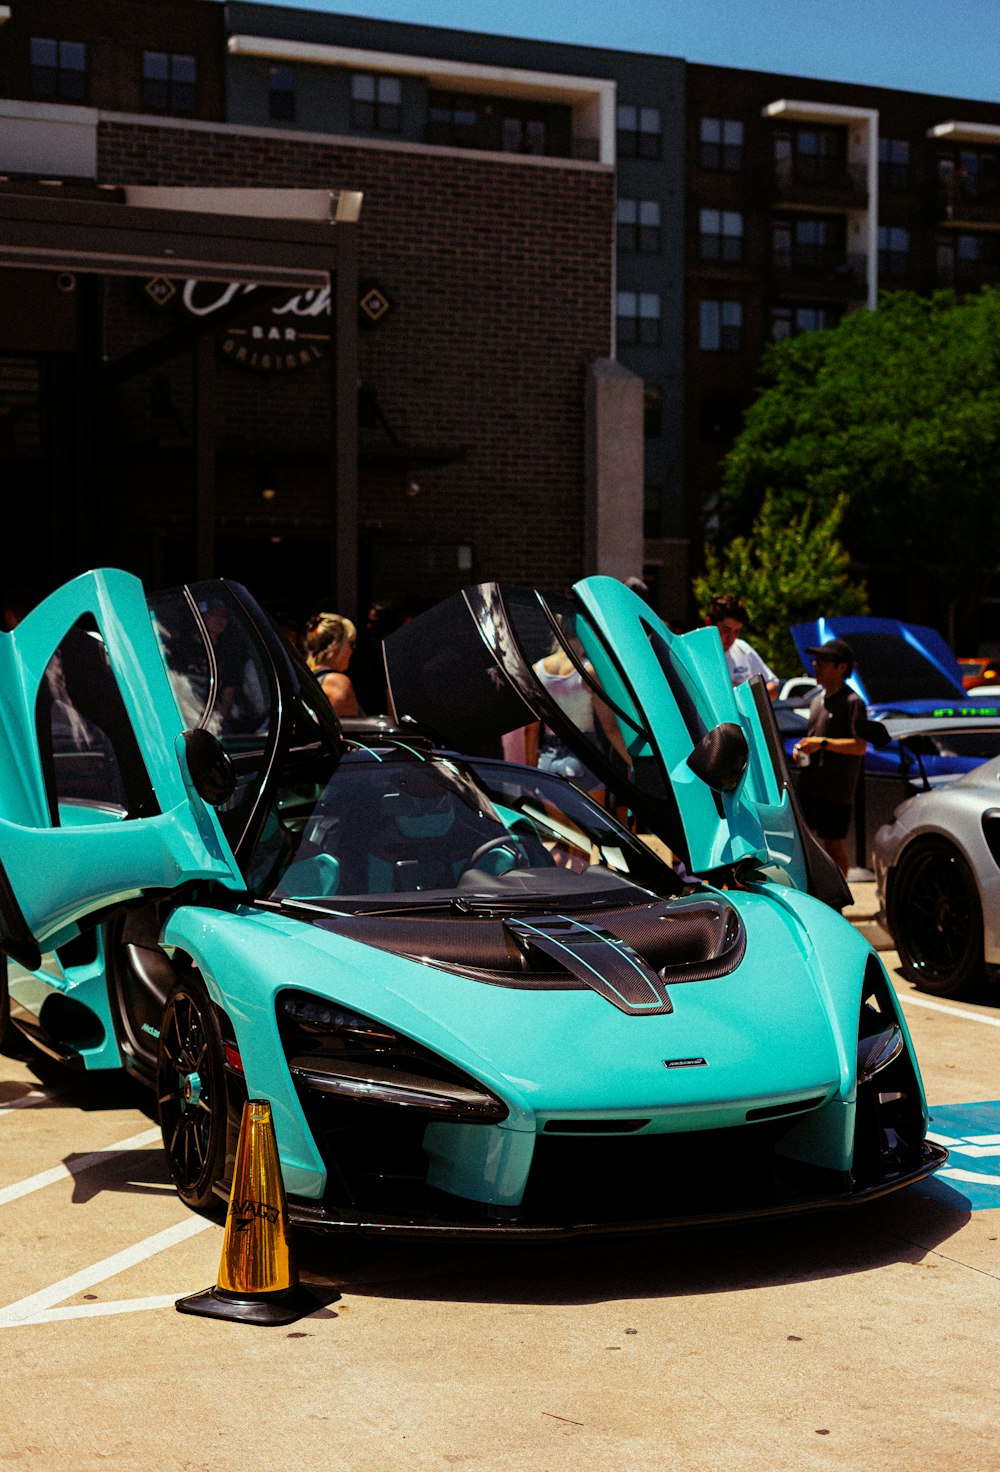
{"type": "Point", "coordinates": [832, 750]}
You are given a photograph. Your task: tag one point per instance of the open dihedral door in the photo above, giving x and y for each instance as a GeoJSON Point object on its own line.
{"type": "Point", "coordinates": [97, 805]}
{"type": "Point", "coordinates": [653, 715]}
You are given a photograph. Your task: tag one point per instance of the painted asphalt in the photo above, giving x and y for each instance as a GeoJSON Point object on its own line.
{"type": "Point", "coordinates": [864, 1339]}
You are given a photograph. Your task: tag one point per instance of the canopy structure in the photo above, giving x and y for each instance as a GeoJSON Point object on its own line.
{"type": "Point", "coordinates": [270, 238]}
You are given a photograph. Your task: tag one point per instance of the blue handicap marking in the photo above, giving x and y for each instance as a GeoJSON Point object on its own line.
{"type": "Point", "coordinates": [971, 1135]}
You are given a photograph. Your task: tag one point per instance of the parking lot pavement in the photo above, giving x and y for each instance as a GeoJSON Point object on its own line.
{"type": "Point", "coordinates": [864, 1339]}
{"type": "Point", "coordinates": [863, 914]}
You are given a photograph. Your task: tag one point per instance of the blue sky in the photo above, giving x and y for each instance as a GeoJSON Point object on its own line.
{"type": "Point", "coordinates": [951, 47]}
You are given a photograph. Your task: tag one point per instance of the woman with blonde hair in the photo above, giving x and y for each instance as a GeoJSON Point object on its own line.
{"type": "Point", "coordinates": [329, 644]}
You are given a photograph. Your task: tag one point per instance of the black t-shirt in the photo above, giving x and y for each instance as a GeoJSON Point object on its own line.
{"type": "Point", "coordinates": [830, 774]}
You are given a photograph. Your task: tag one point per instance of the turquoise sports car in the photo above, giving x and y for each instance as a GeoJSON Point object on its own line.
{"type": "Point", "coordinates": [477, 1001]}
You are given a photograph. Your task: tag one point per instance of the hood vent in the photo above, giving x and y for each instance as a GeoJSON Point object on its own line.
{"type": "Point", "coordinates": [596, 958]}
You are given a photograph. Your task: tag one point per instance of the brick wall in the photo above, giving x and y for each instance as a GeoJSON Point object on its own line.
{"type": "Point", "coordinates": [499, 275]}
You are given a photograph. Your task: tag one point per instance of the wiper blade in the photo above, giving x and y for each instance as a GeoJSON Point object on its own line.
{"type": "Point", "coordinates": [545, 903]}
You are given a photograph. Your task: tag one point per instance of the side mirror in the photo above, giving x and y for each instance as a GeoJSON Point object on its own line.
{"type": "Point", "coordinates": [721, 757]}
{"type": "Point", "coordinates": [212, 773]}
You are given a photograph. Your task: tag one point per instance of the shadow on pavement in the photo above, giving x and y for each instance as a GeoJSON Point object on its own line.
{"type": "Point", "coordinates": [669, 1265]}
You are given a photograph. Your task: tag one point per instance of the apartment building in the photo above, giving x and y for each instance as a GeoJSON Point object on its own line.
{"type": "Point", "coordinates": [531, 210]}
{"type": "Point", "coordinates": [806, 199]}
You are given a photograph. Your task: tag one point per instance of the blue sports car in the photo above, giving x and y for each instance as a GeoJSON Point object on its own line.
{"type": "Point", "coordinates": [477, 1002]}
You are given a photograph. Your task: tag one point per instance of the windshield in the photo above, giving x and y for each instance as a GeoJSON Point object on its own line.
{"type": "Point", "coordinates": [392, 826]}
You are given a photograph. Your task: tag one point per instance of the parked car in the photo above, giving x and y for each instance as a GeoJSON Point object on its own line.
{"type": "Point", "coordinates": [912, 684]}
{"type": "Point", "coordinates": [937, 868]}
{"type": "Point", "coordinates": [798, 689]}
{"type": "Point", "coordinates": [980, 674]}
{"type": "Point", "coordinates": [476, 1002]}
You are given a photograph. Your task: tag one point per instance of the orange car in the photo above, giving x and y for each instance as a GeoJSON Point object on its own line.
{"type": "Point", "coordinates": [981, 671]}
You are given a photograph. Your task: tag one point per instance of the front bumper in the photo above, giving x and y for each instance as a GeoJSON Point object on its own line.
{"type": "Point", "coordinates": [517, 1224]}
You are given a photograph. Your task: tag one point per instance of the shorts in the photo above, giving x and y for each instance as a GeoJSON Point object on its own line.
{"type": "Point", "coordinates": [827, 819]}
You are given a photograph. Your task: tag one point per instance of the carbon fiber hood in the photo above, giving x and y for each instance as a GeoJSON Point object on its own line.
{"type": "Point", "coordinates": [630, 955]}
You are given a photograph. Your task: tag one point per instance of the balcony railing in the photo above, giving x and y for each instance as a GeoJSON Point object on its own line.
{"type": "Point", "coordinates": [808, 176]}
{"type": "Point", "coordinates": [967, 275]}
{"type": "Point", "coordinates": [969, 199]}
{"type": "Point", "coordinates": [822, 268]}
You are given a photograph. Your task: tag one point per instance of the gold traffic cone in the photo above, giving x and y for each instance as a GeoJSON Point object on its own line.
{"type": "Point", "coordinates": [258, 1280]}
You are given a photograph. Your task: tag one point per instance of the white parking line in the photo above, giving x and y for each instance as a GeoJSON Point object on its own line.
{"type": "Point", "coordinates": [75, 1167]}
{"type": "Point", "coordinates": [908, 1001]}
{"type": "Point", "coordinates": [40, 1307]}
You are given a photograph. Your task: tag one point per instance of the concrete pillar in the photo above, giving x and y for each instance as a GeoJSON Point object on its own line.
{"type": "Point", "coordinates": [614, 470]}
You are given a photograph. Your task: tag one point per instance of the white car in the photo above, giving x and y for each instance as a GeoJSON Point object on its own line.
{"type": "Point", "coordinates": [937, 867]}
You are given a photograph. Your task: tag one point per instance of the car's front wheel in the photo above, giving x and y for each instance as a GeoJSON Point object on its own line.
{"type": "Point", "coordinates": [937, 920]}
{"type": "Point", "coordinates": [191, 1091]}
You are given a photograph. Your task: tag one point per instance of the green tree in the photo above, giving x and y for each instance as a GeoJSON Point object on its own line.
{"type": "Point", "coordinates": [895, 412]}
{"type": "Point", "coordinates": [789, 569]}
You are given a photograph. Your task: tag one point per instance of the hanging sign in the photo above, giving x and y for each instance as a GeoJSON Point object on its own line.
{"type": "Point", "coordinates": [293, 334]}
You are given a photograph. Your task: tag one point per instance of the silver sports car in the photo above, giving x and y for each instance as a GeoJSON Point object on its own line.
{"type": "Point", "coordinates": [937, 867]}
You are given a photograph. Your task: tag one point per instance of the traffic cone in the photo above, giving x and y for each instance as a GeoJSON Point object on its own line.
{"type": "Point", "coordinates": [258, 1280]}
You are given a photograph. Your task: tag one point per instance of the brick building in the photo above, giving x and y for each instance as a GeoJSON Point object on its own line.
{"type": "Point", "coordinates": [488, 414]}
{"type": "Point", "coordinates": [531, 211]}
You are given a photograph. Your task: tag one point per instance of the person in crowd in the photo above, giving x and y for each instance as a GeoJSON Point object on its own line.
{"type": "Point", "coordinates": [329, 644]}
{"type": "Point", "coordinates": [368, 664]}
{"type": "Point", "coordinates": [830, 756]}
{"type": "Point", "coordinates": [729, 616]}
{"type": "Point", "coordinates": [562, 680]}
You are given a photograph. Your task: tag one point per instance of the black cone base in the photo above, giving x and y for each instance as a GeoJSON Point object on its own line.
{"type": "Point", "coordinates": [260, 1308]}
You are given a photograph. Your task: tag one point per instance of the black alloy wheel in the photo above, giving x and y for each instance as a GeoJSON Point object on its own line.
{"type": "Point", "coordinates": [937, 920]}
{"type": "Point", "coordinates": [191, 1092]}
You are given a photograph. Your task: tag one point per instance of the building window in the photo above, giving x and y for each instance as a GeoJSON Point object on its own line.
{"type": "Point", "coordinates": [893, 163]}
{"type": "Point", "coordinates": [893, 250]}
{"type": "Point", "coordinates": [720, 416]}
{"type": "Point", "coordinates": [281, 93]}
{"type": "Point", "coordinates": [721, 144]}
{"type": "Point", "coordinates": [720, 328]}
{"type": "Point", "coordinates": [169, 82]}
{"type": "Point", "coordinates": [810, 244]}
{"type": "Point", "coordinates": [523, 135]}
{"type": "Point", "coordinates": [977, 171]}
{"type": "Point", "coordinates": [376, 103]}
{"type": "Point", "coordinates": [640, 131]}
{"type": "Point", "coordinates": [639, 314]}
{"type": "Point", "coordinates": [639, 225]}
{"type": "Point", "coordinates": [58, 69]}
{"type": "Point", "coordinates": [720, 235]}
{"type": "Point", "coordinates": [787, 321]}
{"type": "Point", "coordinates": [453, 120]}
{"type": "Point", "coordinates": [811, 155]}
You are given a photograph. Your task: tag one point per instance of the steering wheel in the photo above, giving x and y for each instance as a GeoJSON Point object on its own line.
{"type": "Point", "coordinates": [503, 840]}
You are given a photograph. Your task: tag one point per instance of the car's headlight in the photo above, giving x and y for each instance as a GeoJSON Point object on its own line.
{"type": "Point", "coordinates": [336, 1052]}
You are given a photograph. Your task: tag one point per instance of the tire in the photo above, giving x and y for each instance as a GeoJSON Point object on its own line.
{"type": "Point", "coordinates": [191, 1092]}
{"type": "Point", "coordinates": [937, 920]}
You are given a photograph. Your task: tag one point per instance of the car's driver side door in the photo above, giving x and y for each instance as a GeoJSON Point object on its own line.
{"type": "Point", "coordinates": [97, 802]}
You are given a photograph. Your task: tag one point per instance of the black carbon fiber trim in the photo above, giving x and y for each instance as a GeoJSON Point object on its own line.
{"type": "Point", "coordinates": [689, 938]}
